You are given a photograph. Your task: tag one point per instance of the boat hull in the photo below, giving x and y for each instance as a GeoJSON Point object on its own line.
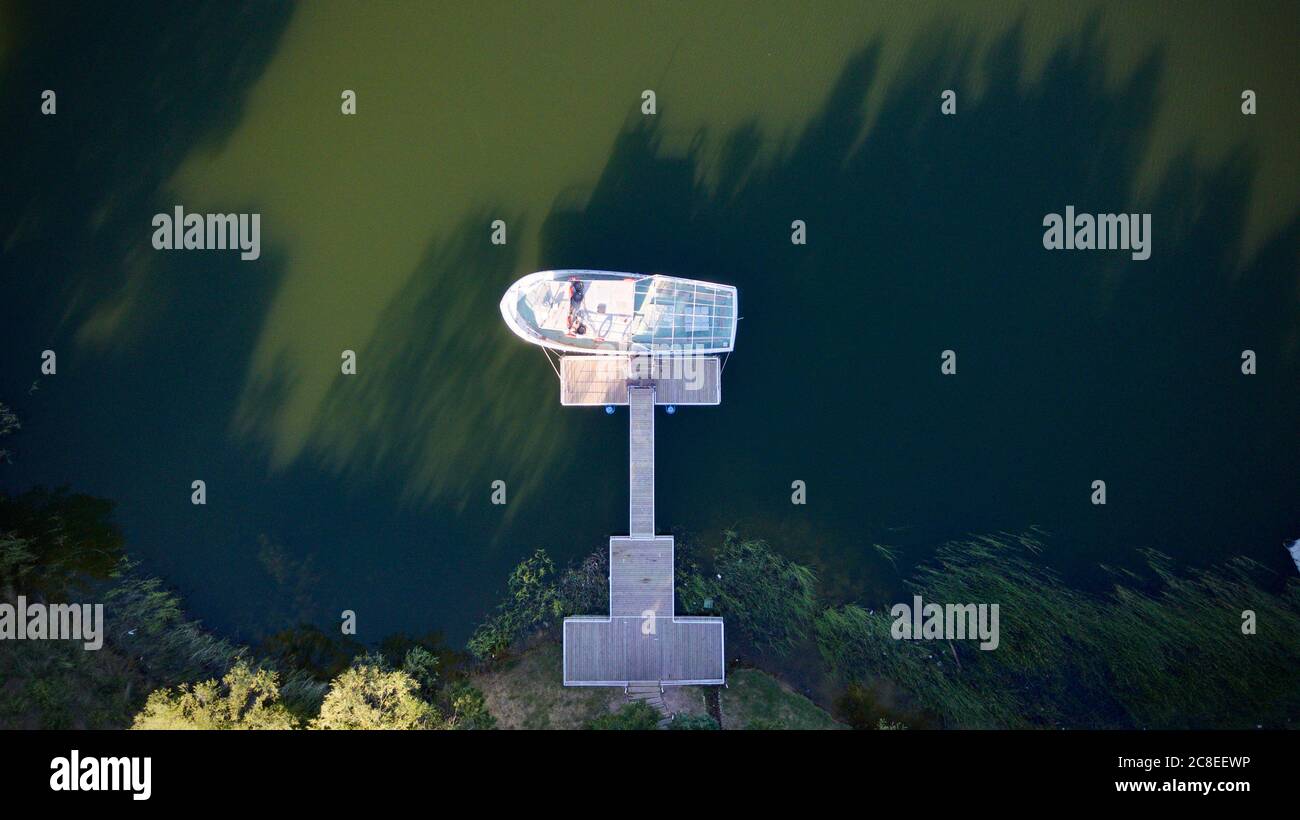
{"type": "Point", "coordinates": [621, 314]}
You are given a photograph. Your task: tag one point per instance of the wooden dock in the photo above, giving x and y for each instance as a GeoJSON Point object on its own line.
{"type": "Point", "coordinates": [641, 576]}
{"type": "Point", "coordinates": [642, 639]}
{"type": "Point", "coordinates": [593, 381]}
{"type": "Point", "coordinates": [621, 651]}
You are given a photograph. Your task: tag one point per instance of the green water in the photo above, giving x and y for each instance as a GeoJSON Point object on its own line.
{"type": "Point", "coordinates": [372, 492]}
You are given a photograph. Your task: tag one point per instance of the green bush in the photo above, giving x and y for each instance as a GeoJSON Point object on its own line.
{"type": "Point", "coordinates": [469, 709]}
{"type": "Point", "coordinates": [537, 598]}
{"type": "Point", "coordinates": [692, 722]}
{"type": "Point", "coordinates": [635, 716]}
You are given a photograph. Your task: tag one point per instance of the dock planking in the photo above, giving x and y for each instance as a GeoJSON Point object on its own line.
{"type": "Point", "coordinates": [593, 381]}
{"type": "Point", "coordinates": [619, 651]}
{"type": "Point", "coordinates": [641, 576]}
{"type": "Point", "coordinates": [641, 461]}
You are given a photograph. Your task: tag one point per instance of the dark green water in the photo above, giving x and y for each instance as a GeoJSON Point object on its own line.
{"type": "Point", "coordinates": [372, 492]}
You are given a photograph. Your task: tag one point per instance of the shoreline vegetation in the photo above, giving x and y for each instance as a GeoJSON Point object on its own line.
{"type": "Point", "coordinates": [1190, 649]}
{"type": "Point", "coordinates": [1168, 650]}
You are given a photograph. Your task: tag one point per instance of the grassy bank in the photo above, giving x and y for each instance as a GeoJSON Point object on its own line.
{"type": "Point", "coordinates": [754, 699]}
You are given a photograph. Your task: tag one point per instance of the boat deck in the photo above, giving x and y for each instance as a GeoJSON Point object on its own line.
{"type": "Point", "coordinates": [586, 311]}
{"type": "Point", "coordinates": [593, 381]}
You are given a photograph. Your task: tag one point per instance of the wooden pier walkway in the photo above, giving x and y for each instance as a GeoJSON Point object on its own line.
{"type": "Point", "coordinates": [641, 461]}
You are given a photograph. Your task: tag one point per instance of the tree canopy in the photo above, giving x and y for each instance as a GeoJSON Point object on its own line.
{"type": "Point", "coordinates": [245, 698]}
{"type": "Point", "coordinates": [369, 696]}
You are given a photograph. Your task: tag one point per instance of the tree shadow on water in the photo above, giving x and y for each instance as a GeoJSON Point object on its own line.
{"type": "Point", "coordinates": [139, 87]}
{"type": "Point", "coordinates": [447, 399]}
{"type": "Point", "coordinates": [925, 235]}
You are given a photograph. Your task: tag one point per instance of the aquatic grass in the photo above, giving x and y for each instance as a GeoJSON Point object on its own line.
{"type": "Point", "coordinates": [769, 599]}
{"type": "Point", "coordinates": [1172, 655]}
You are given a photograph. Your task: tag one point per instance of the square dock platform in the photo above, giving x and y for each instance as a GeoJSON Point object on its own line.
{"type": "Point", "coordinates": [593, 381]}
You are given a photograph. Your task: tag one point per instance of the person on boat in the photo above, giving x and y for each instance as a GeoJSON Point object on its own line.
{"type": "Point", "coordinates": [575, 298]}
